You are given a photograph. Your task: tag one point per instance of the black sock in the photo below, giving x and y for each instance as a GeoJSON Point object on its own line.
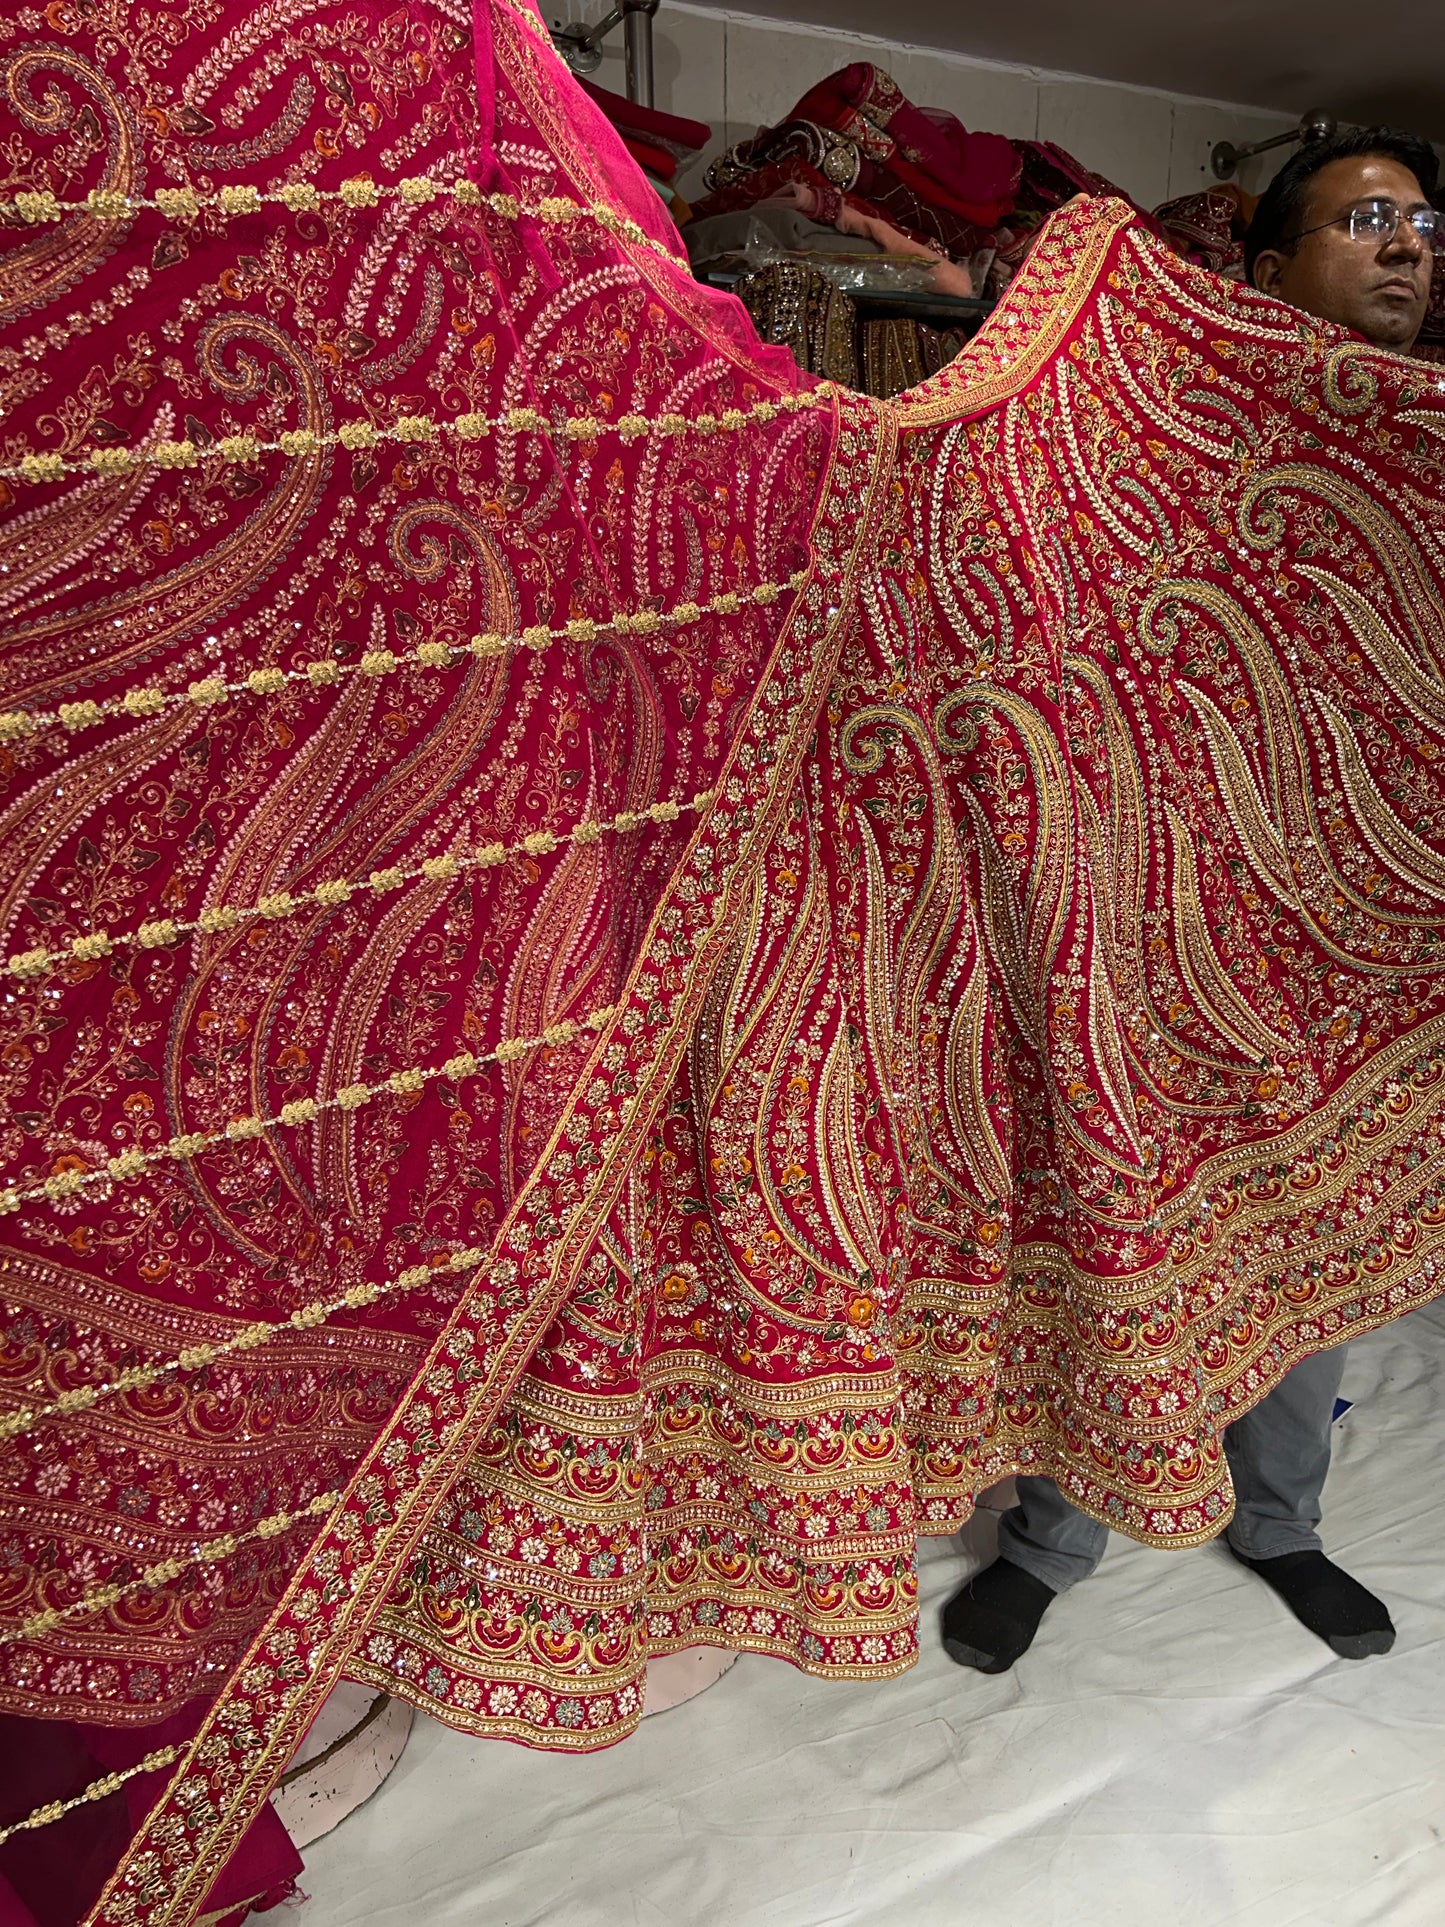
{"type": "Point", "coordinates": [1350, 1620]}
{"type": "Point", "coordinates": [991, 1620]}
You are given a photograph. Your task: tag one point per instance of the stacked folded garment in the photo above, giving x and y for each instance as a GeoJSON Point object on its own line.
{"type": "Point", "coordinates": [1209, 227]}
{"type": "Point", "coordinates": [659, 143]}
{"type": "Point", "coordinates": [857, 155]}
{"type": "Point", "coordinates": [854, 141]}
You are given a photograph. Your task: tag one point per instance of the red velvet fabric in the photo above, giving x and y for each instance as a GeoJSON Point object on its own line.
{"type": "Point", "coordinates": [51, 1876]}
{"type": "Point", "coordinates": [677, 135]}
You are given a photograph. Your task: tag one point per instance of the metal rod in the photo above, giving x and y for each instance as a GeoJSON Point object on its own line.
{"type": "Point", "coordinates": [578, 39]}
{"type": "Point", "coordinates": [599, 33]}
{"type": "Point", "coordinates": [1313, 126]}
{"type": "Point", "coordinates": [637, 46]}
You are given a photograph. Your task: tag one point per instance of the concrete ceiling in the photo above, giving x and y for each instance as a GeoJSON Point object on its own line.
{"type": "Point", "coordinates": [1384, 61]}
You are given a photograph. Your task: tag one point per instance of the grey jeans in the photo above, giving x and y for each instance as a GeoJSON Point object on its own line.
{"type": "Point", "coordinates": [1278, 1456]}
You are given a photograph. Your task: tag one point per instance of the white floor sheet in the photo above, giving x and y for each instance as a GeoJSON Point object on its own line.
{"type": "Point", "coordinates": [1175, 1751]}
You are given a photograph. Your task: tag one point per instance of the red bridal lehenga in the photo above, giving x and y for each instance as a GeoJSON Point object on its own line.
{"type": "Point", "coordinates": [629, 977]}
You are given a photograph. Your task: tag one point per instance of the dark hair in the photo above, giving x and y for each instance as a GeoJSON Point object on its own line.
{"type": "Point", "coordinates": [1282, 204]}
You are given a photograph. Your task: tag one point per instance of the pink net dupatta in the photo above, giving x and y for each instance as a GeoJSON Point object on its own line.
{"type": "Point", "coordinates": [415, 627]}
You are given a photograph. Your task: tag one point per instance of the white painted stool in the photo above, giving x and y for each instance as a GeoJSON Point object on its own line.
{"type": "Point", "coordinates": [354, 1742]}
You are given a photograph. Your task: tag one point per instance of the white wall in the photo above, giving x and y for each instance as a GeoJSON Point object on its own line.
{"type": "Point", "coordinates": [738, 72]}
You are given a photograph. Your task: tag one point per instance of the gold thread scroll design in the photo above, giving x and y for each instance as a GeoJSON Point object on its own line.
{"type": "Point", "coordinates": [782, 713]}
{"type": "Point", "coordinates": [1040, 304]}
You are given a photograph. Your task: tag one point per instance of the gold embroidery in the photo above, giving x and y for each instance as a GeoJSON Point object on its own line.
{"type": "Point", "coordinates": [1041, 303]}
{"type": "Point", "coordinates": [236, 450]}
{"type": "Point", "coordinates": [210, 1553]}
{"type": "Point", "coordinates": [1215, 998]}
{"type": "Point", "coordinates": [303, 1110]}
{"type": "Point", "coordinates": [97, 1790]}
{"type": "Point", "coordinates": [325, 672]}
{"type": "Point", "coordinates": [1409, 857]}
{"type": "Point", "coordinates": [308, 1317]}
{"type": "Point", "coordinates": [36, 208]}
{"type": "Point", "coordinates": [32, 964]}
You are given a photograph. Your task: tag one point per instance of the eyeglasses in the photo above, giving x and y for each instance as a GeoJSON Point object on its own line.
{"type": "Point", "coordinates": [1378, 222]}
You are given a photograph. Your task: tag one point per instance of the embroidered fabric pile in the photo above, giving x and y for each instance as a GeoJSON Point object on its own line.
{"type": "Point", "coordinates": [857, 190]}
{"type": "Point", "coordinates": [629, 976]}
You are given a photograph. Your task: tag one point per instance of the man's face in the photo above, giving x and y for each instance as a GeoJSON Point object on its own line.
{"type": "Point", "coordinates": [1380, 289]}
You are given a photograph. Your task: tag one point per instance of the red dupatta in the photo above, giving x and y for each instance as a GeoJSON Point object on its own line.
{"type": "Point", "coordinates": [381, 637]}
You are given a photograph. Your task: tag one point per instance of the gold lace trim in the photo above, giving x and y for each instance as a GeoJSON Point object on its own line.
{"type": "Point", "coordinates": [299, 197]}
{"type": "Point", "coordinates": [97, 1790]}
{"type": "Point", "coordinates": [195, 1358]}
{"type": "Point", "coordinates": [160, 932]}
{"type": "Point", "coordinates": [296, 443]}
{"type": "Point", "coordinates": [150, 700]}
{"type": "Point", "coordinates": [301, 1110]}
{"type": "Point", "coordinates": [210, 1553]}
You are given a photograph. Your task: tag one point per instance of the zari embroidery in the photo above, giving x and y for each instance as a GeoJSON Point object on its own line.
{"type": "Point", "coordinates": [211, 1553]}
{"type": "Point", "coordinates": [196, 1358]}
{"type": "Point", "coordinates": [39, 206]}
{"type": "Point", "coordinates": [100, 1789]}
{"type": "Point", "coordinates": [407, 430]}
{"type": "Point", "coordinates": [325, 672]}
{"type": "Point", "coordinates": [300, 1111]}
{"type": "Point", "coordinates": [31, 964]}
